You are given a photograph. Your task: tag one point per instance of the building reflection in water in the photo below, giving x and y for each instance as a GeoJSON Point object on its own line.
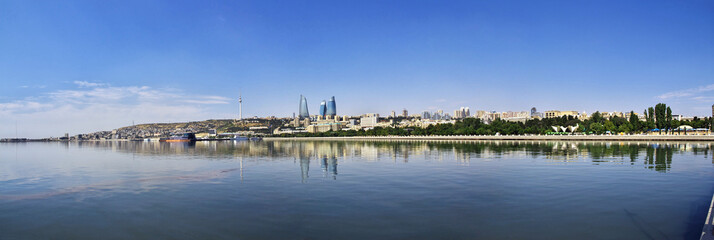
{"type": "Point", "coordinates": [329, 166]}
{"type": "Point", "coordinates": [652, 155]}
{"type": "Point", "coordinates": [305, 167]}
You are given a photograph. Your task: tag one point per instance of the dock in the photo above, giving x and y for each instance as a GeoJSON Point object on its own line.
{"type": "Point", "coordinates": [708, 230]}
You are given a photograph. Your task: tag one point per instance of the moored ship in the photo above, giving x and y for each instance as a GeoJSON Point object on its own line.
{"type": "Point", "coordinates": [186, 137]}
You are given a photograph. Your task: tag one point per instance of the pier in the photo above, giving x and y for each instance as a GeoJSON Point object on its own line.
{"type": "Point", "coordinates": [708, 230]}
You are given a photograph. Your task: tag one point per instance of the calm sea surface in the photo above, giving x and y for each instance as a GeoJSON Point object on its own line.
{"type": "Point", "coordinates": [354, 190]}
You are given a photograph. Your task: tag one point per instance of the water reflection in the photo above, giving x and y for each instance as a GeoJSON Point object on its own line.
{"type": "Point", "coordinates": [381, 186]}
{"type": "Point", "coordinates": [329, 166]}
{"type": "Point", "coordinates": [659, 158]}
{"type": "Point", "coordinates": [305, 167]}
{"type": "Point", "coordinates": [656, 156]}
{"type": "Point", "coordinates": [145, 182]}
{"type": "Point", "coordinates": [653, 155]}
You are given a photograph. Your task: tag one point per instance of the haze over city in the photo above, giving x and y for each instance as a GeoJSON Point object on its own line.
{"type": "Point", "coordinates": [87, 66]}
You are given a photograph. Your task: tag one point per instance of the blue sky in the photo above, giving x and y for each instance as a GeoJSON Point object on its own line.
{"type": "Point", "coordinates": [82, 66]}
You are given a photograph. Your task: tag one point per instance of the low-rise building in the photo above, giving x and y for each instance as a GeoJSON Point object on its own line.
{"type": "Point", "coordinates": [556, 113]}
{"type": "Point", "coordinates": [609, 115]}
{"type": "Point", "coordinates": [324, 127]}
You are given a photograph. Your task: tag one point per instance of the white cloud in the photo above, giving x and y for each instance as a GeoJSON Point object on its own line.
{"type": "Point", "coordinates": [33, 86]}
{"type": "Point", "coordinates": [692, 92]}
{"type": "Point", "coordinates": [21, 106]}
{"type": "Point", "coordinates": [706, 99]}
{"type": "Point", "coordinates": [106, 94]}
{"type": "Point", "coordinates": [208, 100]}
{"type": "Point", "coordinates": [690, 102]}
{"type": "Point", "coordinates": [101, 107]}
{"type": "Point", "coordinates": [86, 84]}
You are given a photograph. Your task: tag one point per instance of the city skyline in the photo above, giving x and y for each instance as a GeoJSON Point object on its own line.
{"type": "Point", "coordinates": [87, 66]}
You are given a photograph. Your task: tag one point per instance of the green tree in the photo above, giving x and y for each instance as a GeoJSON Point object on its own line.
{"type": "Point", "coordinates": [634, 121]}
{"type": "Point", "coordinates": [609, 126]}
{"type": "Point", "coordinates": [650, 114]}
{"type": "Point", "coordinates": [661, 115]}
{"type": "Point", "coordinates": [668, 118]}
{"type": "Point", "coordinates": [597, 128]}
{"type": "Point", "coordinates": [596, 117]}
{"type": "Point", "coordinates": [624, 128]}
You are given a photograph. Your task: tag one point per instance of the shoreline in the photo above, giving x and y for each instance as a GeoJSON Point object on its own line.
{"type": "Point", "coordinates": [689, 138]}
{"type": "Point", "coordinates": [630, 138]}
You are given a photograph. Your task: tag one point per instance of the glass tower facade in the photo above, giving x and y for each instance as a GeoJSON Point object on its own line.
{"type": "Point", "coordinates": [323, 108]}
{"type": "Point", "coordinates": [331, 107]}
{"type": "Point", "coordinates": [303, 107]}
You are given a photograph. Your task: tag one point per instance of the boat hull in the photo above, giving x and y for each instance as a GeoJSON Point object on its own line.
{"type": "Point", "coordinates": [177, 140]}
{"type": "Point", "coordinates": [186, 137]}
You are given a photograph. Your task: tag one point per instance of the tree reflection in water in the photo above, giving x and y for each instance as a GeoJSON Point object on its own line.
{"type": "Point", "coordinates": [657, 155]}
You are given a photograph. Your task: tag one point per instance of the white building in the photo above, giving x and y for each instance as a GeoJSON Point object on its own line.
{"type": "Point", "coordinates": [369, 120]}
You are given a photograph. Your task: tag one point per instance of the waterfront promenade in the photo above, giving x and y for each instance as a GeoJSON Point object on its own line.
{"type": "Point", "coordinates": [708, 230]}
{"type": "Point", "coordinates": [705, 138]}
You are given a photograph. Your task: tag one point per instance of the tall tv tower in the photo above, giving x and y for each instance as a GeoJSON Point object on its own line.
{"type": "Point", "coordinates": [240, 107]}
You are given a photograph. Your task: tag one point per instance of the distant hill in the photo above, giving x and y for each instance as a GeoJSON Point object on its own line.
{"type": "Point", "coordinates": [221, 125]}
{"type": "Point", "coordinates": [152, 130]}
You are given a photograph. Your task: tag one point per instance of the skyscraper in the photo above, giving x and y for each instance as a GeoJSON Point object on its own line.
{"type": "Point", "coordinates": [331, 107]}
{"type": "Point", "coordinates": [533, 112]}
{"type": "Point", "coordinates": [462, 112]}
{"type": "Point", "coordinates": [425, 115]}
{"type": "Point", "coordinates": [303, 107]}
{"type": "Point", "coordinates": [323, 108]}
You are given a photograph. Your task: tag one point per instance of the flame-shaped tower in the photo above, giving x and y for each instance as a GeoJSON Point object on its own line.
{"type": "Point", "coordinates": [303, 107]}
{"type": "Point", "coordinates": [331, 107]}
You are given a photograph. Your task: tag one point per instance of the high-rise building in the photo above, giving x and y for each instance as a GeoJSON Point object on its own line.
{"type": "Point", "coordinates": [393, 114]}
{"type": "Point", "coordinates": [369, 120]}
{"type": "Point", "coordinates": [331, 107]}
{"type": "Point", "coordinates": [437, 115]}
{"type": "Point", "coordinates": [533, 112]}
{"type": "Point", "coordinates": [462, 112]}
{"type": "Point", "coordinates": [405, 113]}
{"type": "Point", "coordinates": [323, 108]}
{"type": "Point", "coordinates": [303, 107]}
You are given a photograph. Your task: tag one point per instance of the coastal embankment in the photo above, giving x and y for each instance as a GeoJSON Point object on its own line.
{"type": "Point", "coordinates": [698, 138]}
{"type": "Point", "coordinates": [708, 231]}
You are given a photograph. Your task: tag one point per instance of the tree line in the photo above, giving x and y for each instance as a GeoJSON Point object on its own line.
{"type": "Point", "coordinates": [658, 118]}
